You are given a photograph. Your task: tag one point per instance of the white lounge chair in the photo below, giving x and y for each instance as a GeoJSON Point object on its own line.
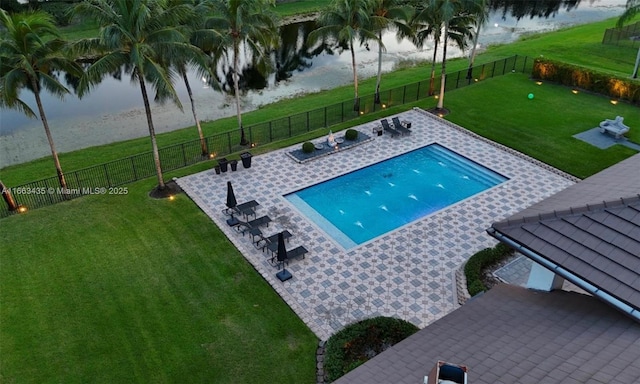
{"type": "Point", "coordinates": [615, 127]}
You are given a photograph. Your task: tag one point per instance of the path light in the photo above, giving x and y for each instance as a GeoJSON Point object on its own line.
{"type": "Point", "coordinates": [614, 101]}
{"type": "Point", "coordinates": [253, 145]}
{"type": "Point", "coordinates": [574, 91]}
{"type": "Point", "coordinates": [171, 197]}
{"type": "Point", "coordinates": [539, 82]}
{"type": "Point", "coordinates": [361, 113]}
{"type": "Point", "coordinates": [22, 209]}
{"type": "Point", "coordinates": [212, 155]}
{"type": "Point", "coordinates": [384, 105]}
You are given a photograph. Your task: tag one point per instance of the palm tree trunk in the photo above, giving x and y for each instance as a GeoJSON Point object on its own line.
{"type": "Point", "coordinates": [152, 132]}
{"type": "Point", "coordinates": [356, 101]}
{"type": "Point", "coordinates": [45, 123]}
{"type": "Point", "coordinates": [432, 79]}
{"type": "Point", "coordinates": [444, 71]}
{"type": "Point", "coordinates": [236, 88]}
{"type": "Point", "coordinates": [8, 198]}
{"type": "Point", "coordinates": [635, 68]}
{"type": "Point", "coordinates": [472, 57]}
{"type": "Point", "coordinates": [203, 143]}
{"type": "Point", "coordinates": [379, 80]}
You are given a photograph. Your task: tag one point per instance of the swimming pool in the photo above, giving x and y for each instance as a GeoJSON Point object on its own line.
{"type": "Point", "coordinates": [359, 206]}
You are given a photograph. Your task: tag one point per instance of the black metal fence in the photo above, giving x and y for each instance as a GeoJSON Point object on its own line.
{"type": "Point", "coordinates": [106, 178]}
{"type": "Point", "coordinates": [628, 35]}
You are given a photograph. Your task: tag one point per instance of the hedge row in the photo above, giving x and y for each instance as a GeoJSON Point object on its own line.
{"type": "Point", "coordinates": [587, 79]}
{"type": "Point", "coordinates": [481, 260]}
{"type": "Point", "coordinates": [356, 343]}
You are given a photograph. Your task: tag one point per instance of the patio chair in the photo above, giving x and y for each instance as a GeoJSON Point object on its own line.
{"type": "Point", "coordinates": [387, 128]}
{"type": "Point", "coordinates": [245, 209]}
{"type": "Point", "coordinates": [398, 125]}
{"type": "Point", "coordinates": [269, 242]}
{"type": "Point", "coordinates": [615, 127]}
{"type": "Point", "coordinates": [294, 253]}
{"type": "Point", "coordinates": [251, 226]}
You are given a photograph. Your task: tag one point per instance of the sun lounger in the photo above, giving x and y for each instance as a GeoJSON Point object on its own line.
{"type": "Point", "coordinates": [387, 128]}
{"type": "Point", "coordinates": [246, 209]}
{"type": "Point", "coordinates": [398, 125]}
{"type": "Point", "coordinates": [294, 253]}
{"type": "Point", "coordinates": [251, 226]}
{"type": "Point", "coordinates": [270, 242]}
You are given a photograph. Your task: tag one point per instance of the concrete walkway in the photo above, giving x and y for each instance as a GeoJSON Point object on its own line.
{"type": "Point", "coordinates": [407, 273]}
{"type": "Point", "coordinates": [604, 140]}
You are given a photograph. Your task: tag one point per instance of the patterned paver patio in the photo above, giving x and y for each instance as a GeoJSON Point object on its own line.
{"type": "Point", "coordinates": [407, 273]}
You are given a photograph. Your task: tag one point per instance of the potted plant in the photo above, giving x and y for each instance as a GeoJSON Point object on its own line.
{"type": "Point", "coordinates": [351, 134]}
{"type": "Point", "coordinates": [233, 164]}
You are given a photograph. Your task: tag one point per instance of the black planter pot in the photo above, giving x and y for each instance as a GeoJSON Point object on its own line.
{"type": "Point", "coordinates": [217, 169]}
{"type": "Point", "coordinates": [223, 164]}
{"type": "Point", "coordinates": [234, 165]}
{"type": "Point", "coordinates": [246, 159]}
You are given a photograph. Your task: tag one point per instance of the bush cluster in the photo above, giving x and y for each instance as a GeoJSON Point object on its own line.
{"type": "Point", "coordinates": [351, 134]}
{"type": "Point", "coordinates": [359, 342]}
{"type": "Point", "coordinates": [308, 147]}
{"type": "Point", "coordinates": [481, 260]}
{"type": "Point", "coordinates": [587, 79]}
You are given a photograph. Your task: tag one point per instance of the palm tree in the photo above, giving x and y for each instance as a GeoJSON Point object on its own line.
{"type": "Point", "coordinates": [347, 21]}
{"type": "Point", "coordinates": [427, 24]}
{"type": "Point", "coordinates": [482, 16]}
{"type": "Point", "coordinates": [140, 36]}
{"type": "Point", "coordinates": [27, 60]}
{"type": "Point", "coordinates": [632, 9]}
{"type": "Point", "coordinates": [388, 14]}
{"type": "Point", "coordinates": [247, 24]}
{"type": "Point", "coordinates": [197, 59]}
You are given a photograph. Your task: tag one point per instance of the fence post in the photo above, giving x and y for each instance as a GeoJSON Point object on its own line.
{"type": "Point", "coordinates": [133, 166]}
{"type": "Point", "coordinates": [504, 66]}
{"type": "Point", "coordinates": [106, 174]}
{"type": "Point", "coordinates": [184, 155]}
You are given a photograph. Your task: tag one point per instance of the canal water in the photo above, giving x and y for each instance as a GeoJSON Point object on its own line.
{"type": "Point", "coordinates": [113, 111]}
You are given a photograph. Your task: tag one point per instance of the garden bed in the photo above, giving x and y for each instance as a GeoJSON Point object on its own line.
{"type": "Point", "coordinates": [322, 149]}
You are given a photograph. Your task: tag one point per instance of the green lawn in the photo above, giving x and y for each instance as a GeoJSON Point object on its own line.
{"type": "Point", "coordinates": [577, 45]}
{"type": "Point", "coordinates": [125, 289]}
{"type": "Point", "coordinates": [111, 289]}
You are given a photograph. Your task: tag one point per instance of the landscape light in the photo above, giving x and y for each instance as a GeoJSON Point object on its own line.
{"type": "Point", "coordinates": [614, 101]}
{"type": "Point", "coordinates": [539, 82]}
{"type": "Point", "coordinates": [574, 91]}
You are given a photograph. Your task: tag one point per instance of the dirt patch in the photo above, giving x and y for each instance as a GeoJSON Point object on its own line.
{"type": "Point", "coordinates": [171, 188]}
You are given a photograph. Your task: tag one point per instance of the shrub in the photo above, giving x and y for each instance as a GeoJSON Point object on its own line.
{"type": "Point", "coordinates": [308, 147]}
{"type": "Point", "coordinates": [356, 343]}
{"type": "Point", "coordinates": [351, 134]}
{"type": "Point", "coordinates": [481, 260]}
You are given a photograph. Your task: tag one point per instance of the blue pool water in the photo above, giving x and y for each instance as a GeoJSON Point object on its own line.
{"type": "Point", "coordinates": [364, 204]}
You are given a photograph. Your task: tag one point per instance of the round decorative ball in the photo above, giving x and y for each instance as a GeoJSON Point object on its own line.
{"type": "Point", "coordinates": [530, 96]}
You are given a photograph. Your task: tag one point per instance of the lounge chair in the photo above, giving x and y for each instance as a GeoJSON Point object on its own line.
{"type": "Point", "coordinates": [387, 128]}
{"type": "Point", "coordinates": [244, 209]}
{"type": "Point", "coordinates": [294, 253]}
{"type": "Point", "coordinates": [270, 242]}
{"type": "Point", "coordinates": [398, 125]}
{"type": "Point", "coordinates": [253, 225]}
{"type": "Point", "coordinates": [616, 126]}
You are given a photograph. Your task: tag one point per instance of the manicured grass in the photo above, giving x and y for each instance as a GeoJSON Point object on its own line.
{"type": "Point", "coordinates": [542, 127]}
{"type": "Point", "coordinates": [577, 45]}
{"type": "Point", "coordinates": [129, 289]}
{"type": "Point", "coordinates": [125, 289]}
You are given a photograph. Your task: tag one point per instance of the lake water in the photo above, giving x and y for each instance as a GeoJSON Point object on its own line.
{"type": "Point", "coordinates": [114, 111]}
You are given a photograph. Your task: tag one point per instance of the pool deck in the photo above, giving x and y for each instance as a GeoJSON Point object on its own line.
{"type": "Point", "coordinates": [407, 273]}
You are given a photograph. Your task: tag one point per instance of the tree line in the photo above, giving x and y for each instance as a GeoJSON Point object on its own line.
{"type": "Point", "coordinates": [156, 41]}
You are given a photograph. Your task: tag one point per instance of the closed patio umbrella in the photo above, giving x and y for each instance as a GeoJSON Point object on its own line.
{"type": "Point", "coordinates": [231, 204]}
{"type": "Point", "coordinates": [282, 258]}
